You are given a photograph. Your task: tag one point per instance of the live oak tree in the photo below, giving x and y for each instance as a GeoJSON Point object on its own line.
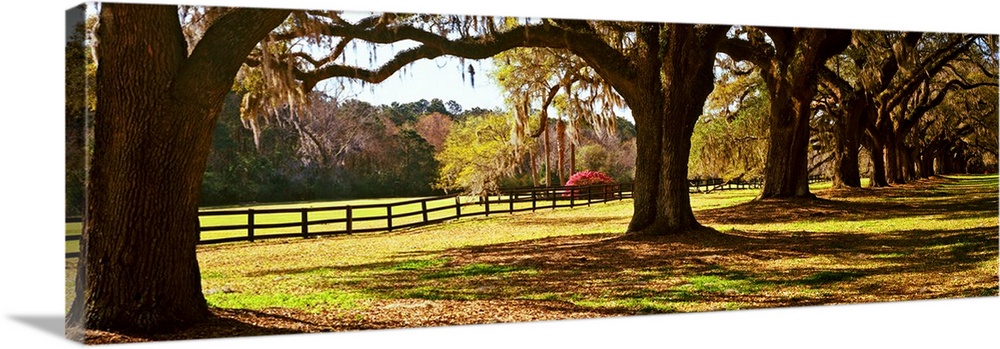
{"type": "Point", "coordinates": [156, 109]}
{"type": "Point", "coordinates": [960, 132]}
{"type": "Point", "coordinates": [868, 68]}
{"type": "Point", "coordinates": [963, 128]}
{"type": "Point", "coordinates": [879, 90]}
{"type": "Point", "coordinates": [908, 97]}
{"type": "Point", "coordinates": [789, 60]}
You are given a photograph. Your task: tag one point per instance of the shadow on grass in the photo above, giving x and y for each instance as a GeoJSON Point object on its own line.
{"type": "Point", "coordinates": [707, 271]}
{"type": "Point", "coordinates": [938, 196]}
{"type": "Point", "coordinates": [712, 270]}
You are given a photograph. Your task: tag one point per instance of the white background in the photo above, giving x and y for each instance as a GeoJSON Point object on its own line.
{"type": "Point", "coordinates": [32, 183]}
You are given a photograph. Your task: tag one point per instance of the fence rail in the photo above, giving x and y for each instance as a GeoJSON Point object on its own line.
{"type": "Point", "coordinates": [220, 226]}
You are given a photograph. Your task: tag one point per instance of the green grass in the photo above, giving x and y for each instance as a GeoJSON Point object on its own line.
{"type": "Point", "coordinates": [318, 301]}
{"type": "Point", "coordinates": [473, 270]}
{"type": "Point", "coordinates": [902, 243]}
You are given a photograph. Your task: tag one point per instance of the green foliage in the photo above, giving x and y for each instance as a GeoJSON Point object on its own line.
{"type": "Point", "coordinates": [408, 113]}
{"type": "Point", "coordinates": [730, 141]}
{"type": "Point", "coordinates": [593, 157]}
{"type": "Point", "coordinates": [614, 157]}
{"type": "Point", "coordinates": [81, 100]}
{"type": "Point", "coordinates": [417, 168]}
{"type": "Point", "coordinates": [478, 155]}
{"type": "Point", "coordinates": [335, 150]}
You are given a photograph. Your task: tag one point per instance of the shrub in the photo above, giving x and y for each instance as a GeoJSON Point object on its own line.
{"type": "Point", "coordinates": [590, 178]}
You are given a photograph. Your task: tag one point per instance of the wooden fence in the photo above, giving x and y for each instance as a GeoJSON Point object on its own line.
{"type": "Point", "coordinates": [216, 226]}
{"type": "Point", "coordinates": [707, 185]}
{"type": "Point", "coordinates": [307, 222]}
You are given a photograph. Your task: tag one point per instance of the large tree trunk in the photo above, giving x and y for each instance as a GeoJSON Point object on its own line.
{"type": "Point", "coordinates": [960, 162]}
{"type": "Point", "coordinates": [561, 160]}
{"type": "Point", "coordinates": [648, 142]}
{"type": "Point", "coordinates": [791, 79]}
{"type": "Point", "coordinates": [572, 158]}
{"type": "Point", "coordinates": [846, 168]}
{"type": "Point", "coordinates": [941, 162]}
{"type": "Point", "coordinates": [152, 130]}
{"type": "Point", "coordinates": [545, 150]}
{"type": "Point", "coordinates": [878, 163]}
{"type": "Point", "coordinates": [786, 170]}
{"type": "Point", "coordinates": [926, 163]}
{"type": "Point", "coordinates": [665, 122]}
{"type": "Point", "coordinates": [893, 160]}
{"type": "Point", "coordinates": [534, 169]}
{"type": "Point", "coordinates": [847, 138]}
{"type": "Point", "coordinates": [846, 172]}
{"type": "Point", "coordinates": [909, 165]}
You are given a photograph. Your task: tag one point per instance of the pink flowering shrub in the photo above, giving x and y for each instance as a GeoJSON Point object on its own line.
{"type": "Point", "coordinates": [585, 178]}
{"type": "Point", "coordinates": [590, 178]}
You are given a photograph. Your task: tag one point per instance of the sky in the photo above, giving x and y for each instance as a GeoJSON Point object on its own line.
{"type": "Point", "coordinates": [446, 77]}
{"type": "Point", "coordinates": [31, 139]}
{"type": "Point", "coordinates": [424, 79]}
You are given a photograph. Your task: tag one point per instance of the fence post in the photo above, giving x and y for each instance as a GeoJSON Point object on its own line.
{"type": "Point", "coordinates": [197, 227]}
{"type": "Point", "coordinates": [553, 198]}
{"type": "Point", "coordinates": [458, 207]}
{"type": "Point", "coordinates": [305, 223]}
{"type": "Point", "coordinates": [250, 224]}
{"type": "Point", "coordinates": [533, 205]}
{"type": "Point", "coordinates": [423, 207]}
{"type": "Point", "coordinates": [487, 204]}
{"type": "Point", "coordinates": [350, 219]}
{"type": "Point", "coordinates": [510, 200]}
{"type": "Point", "coordinates": [590, 194]}
{"type": "Point", "coordinates": [388, 216]}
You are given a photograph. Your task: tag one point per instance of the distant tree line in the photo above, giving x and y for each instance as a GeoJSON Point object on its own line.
{"type": "Point", "coordinates": [351, 149]}
{"type": "Point", "coordinates": [334, 150]}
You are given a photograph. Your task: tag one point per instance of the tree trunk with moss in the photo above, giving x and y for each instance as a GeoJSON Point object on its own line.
{"type": "Point", "coordinates": [665, 116]}
{"type": "Point", "coordinates": [157, 109]}
{"type": "Point", "coordinates": [790, 60]}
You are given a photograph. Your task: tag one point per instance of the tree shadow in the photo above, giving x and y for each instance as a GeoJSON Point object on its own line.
{"type": "Point", "coordinates": [609, 274]}
{"type": "Point", "coordinates": [590, 267]}
{"type": "Point", "coordinates": [224, 323]}
{"type": "Point", "coordinates": [922, 198]}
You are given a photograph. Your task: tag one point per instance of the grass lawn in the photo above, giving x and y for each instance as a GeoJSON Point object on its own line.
{"type": "Point", "coordinates": [932, 239]}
